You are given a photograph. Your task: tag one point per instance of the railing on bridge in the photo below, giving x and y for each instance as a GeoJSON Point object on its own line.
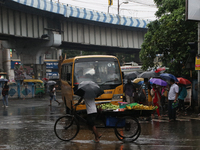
{"type": "Point", "coordinates": [82, 13]}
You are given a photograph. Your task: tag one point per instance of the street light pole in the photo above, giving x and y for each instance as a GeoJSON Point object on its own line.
{"type": "Point", "coordinates": [118, 8]}
{"type": "Point", "coordinates": [108, 8]}
{"type": "Point", "coordinates": [120, 5]}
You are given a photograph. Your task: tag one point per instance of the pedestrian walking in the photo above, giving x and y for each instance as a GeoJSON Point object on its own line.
{"type": "Point", "coordinates": [91, 116]}
{"type": "Point", "coordinates": [5, 94]}
{"type": "Point", "coordinates": [182, 96]}
{"type": "Point", "coordinates": [129, 90]}
{"type": "Point", "coordinates": [172, 98]}
{"type": "Point", "coordinates": [53, 95]}
{"type": "Point", "coordinates": [156, 99]}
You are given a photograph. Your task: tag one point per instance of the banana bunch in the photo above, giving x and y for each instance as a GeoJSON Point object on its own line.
{"type": "Point", "coordinates": [141, 107]}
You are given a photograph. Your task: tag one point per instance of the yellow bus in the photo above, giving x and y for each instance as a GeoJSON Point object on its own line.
{"type": "Point", "coordinates": [101, 69]}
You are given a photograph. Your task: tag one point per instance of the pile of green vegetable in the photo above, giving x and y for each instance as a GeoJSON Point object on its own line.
{"type": "Point", "coordinates": [108, 106]}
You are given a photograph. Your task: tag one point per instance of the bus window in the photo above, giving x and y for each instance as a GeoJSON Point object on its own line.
{"type": "Point", "coordinates": [66, 73]}
{"type": "Point", "coordinates": [69, 74]}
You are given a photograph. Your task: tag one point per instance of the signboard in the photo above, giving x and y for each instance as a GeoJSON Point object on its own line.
{"type": "Point", "coordinates": [13, 63]}
{"type": "Point", "coordinates": [131, 68]}
{"type": "Point", "coordinates": [188, 99]}
{"type": "Point", "coordinates": [197, 63]}
{"type": "Point", "coordinates": [23, 71]}
{"type": "Point", "coordinates": [51, 65]}
{"type": "Point", "coordinates": [110, 2]}
{"type": "Point", "coordinates": [52, 75]}
{"type": "Point", "coordinates": [193, 10]}
{"type": "Point", "coordinates": [189, 96]}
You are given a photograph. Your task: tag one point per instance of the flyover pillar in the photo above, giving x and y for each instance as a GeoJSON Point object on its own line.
{"type": "Point", "coordinates": [32, 51]}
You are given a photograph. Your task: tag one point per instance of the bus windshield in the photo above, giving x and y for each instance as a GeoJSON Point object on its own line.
{"type": "Point", "coordinates": [102, 72]}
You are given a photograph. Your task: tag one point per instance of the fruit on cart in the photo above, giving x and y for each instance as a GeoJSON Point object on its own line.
{"type": "Point", "coordinates": [108, 106]}
{"type": "Point", "coordinates": [136, 106]}
{"type": "Point", "coordinates": [128, 107]}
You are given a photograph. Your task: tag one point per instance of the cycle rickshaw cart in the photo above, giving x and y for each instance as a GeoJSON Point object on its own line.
{"type": "Point", "coordinates": [125, 123]}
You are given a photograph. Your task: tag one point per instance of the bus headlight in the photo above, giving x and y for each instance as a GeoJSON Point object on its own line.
{"type": "Point", "coordinates": [117, 96]}
{"type": "Point", "coordinates": [76, 97]}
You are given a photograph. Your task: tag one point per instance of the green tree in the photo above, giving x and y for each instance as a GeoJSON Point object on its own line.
{"type": "Point", "coordinates": [169, 35]}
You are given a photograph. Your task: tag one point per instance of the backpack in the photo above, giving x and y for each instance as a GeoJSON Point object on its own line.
{"type": "Point", "coordinates": [3, 92]}
{"type": "Point", "coordinates": [180, 91]}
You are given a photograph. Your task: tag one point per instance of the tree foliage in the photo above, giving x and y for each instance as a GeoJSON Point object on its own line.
{"type": "Point", "coordinates": [169, 35]}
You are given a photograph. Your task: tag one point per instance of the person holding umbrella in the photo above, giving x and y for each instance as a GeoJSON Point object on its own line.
{"type": "Point", "coordinates": [182, 96]}
{"type": "Point", "coordinates": [172, 98]}
{"type": "Point", "coordinates": [89, 90]}
{"type": "Point", "coordinates": [53, 95]}
{"type": "Point", "coordinates": [129, 90]}
{"type": "Point", "coordinates": [182, 91]}
{"type": "Point", "coordinates": [5, 94]}
{"type": "Point", "coordinates": [156, 99]}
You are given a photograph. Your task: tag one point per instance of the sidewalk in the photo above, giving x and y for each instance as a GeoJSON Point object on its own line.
{"type": "Point", "coordinates": [180, 117]}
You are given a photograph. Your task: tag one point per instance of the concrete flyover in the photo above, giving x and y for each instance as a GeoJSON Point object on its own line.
{"type": "Point", "coordinates": [36, 25]}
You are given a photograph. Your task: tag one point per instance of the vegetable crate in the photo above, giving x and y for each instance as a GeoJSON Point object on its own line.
{"type": "Point", "coordinates": [111, 122]}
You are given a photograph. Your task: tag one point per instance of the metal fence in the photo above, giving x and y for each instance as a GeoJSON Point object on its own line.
{"type": "Point", "coordinates": [19, 91]}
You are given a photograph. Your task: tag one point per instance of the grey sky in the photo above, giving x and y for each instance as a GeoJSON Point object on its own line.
{"type": "Point", "coordinates": [143, 9]}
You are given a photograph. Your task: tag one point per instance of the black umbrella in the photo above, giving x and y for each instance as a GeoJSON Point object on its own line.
{"type": "Point", "coordinates": [88, 89]}
{"type": "Point", "coordinates": [148, 74]}
{"type": "Point", "coordinates": [131, 75]}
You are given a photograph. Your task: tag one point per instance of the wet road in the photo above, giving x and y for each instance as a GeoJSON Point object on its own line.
{"type": "Point", "coordinates": [28, 124]}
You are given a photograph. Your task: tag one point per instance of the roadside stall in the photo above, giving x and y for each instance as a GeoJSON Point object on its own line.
{"type": "Point", "coordinates": [122, 117]}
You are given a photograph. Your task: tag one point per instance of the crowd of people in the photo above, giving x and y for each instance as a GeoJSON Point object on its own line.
{"type": "Point", "coordinates": [168, 98]}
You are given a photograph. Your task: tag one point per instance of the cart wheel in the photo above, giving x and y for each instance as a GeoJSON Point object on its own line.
{"type": "Point", "coordinates": [127, 128]}
{"type": "Point", "coordinates": [66, 128]}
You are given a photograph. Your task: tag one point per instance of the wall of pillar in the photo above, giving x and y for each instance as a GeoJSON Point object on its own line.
{"type": "Point", "coordinates": [59, 53]}
{"type": "Point", "coordinates": [7, 63]}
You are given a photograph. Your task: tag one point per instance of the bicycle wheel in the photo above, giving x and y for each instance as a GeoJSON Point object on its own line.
{"type": "Point", "coordinates": [127, 128]}
{"type": "Point", "coordinates": [66, 128]}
